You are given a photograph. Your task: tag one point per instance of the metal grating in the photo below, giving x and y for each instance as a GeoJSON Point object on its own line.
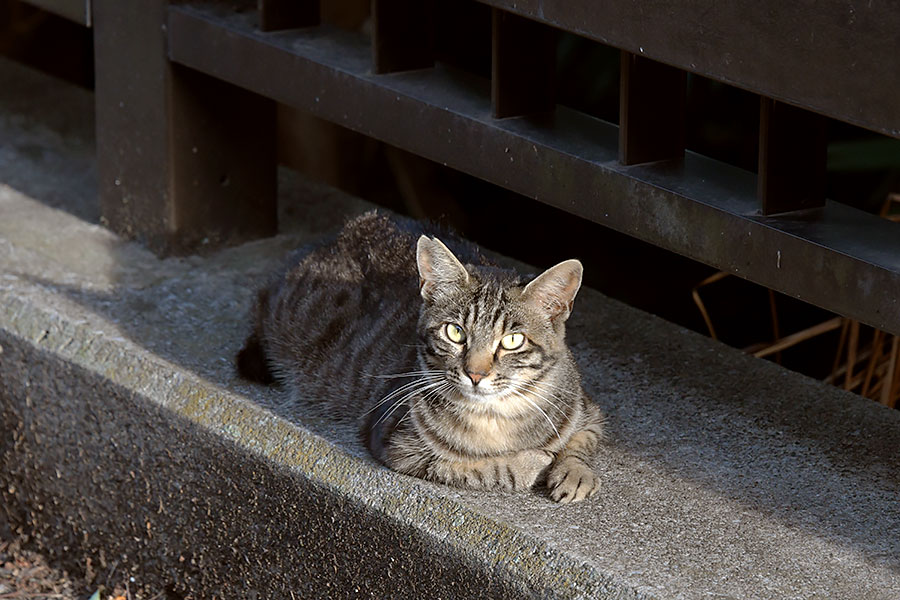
{"type": "Point", "coordinates": [837, 58]}
{"type": "Point", "coordinates": [774, 229]}
{"type": "Point", "coordinates": [706, 210]}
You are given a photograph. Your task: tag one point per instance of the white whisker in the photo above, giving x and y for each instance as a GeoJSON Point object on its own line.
{"type": "Point", "coordinates": [407, 396]}
{"type": "Point", "coordinates": [403, 388]}
{"type": "Point", "coordinates": [540, 394]}
{"type": "Point", "coordinates": [534, 404]}
{"type": "Point", "coordinates": [549, 388]}
{"type": "Point", "coordinates": [438, 391]}
{"type": "Point", "coordinates": [544, 395]}
{"type": "Point", "coordinates": [401, 375]}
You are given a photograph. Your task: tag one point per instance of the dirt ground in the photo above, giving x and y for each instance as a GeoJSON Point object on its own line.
{"type": "Point", "coordinates": [27, 575]}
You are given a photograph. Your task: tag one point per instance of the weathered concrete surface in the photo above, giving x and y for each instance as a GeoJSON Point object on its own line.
{"type": "Point", "coordinates": [129, 441]}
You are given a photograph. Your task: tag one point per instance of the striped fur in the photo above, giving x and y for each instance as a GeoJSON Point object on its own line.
{"type": "Point", "coordinates": [353, 337]}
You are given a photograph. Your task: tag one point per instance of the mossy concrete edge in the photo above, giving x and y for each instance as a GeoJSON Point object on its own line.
{"type": "Point", "coordinates": [528, 560]}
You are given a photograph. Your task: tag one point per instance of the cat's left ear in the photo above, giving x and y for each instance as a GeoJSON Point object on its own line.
{"type": "Point", "coordinates": [438, 268]}
{"type": "Point", "coordinates": [553, 291]}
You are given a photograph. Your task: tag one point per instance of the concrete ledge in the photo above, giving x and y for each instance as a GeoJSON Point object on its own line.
{"type": "Point", "coordinates": [133, 446]}
{"type": "Point", "coordinates": [122, 458]}
{"type": "Point", "coordinates": [118, 452]}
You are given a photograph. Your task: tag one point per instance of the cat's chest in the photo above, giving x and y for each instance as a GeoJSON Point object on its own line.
{"type": "Point", "coordinates": [472, 432]}
{"type": "Point", "coordinates": [488, 434]}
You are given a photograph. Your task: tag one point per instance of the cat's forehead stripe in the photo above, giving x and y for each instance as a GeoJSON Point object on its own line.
{"type": "Point", "coordinates": [488, 299]}
{"type": "Point", "coordinates": [473, 311]}
{"type": "Point", "coordinates": [498, 310]}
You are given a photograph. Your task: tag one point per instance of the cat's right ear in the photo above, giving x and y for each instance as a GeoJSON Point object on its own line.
{"type": "Point", "coordinates": [438, 268]}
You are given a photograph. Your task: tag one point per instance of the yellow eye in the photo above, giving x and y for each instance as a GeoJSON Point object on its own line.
{"type": "Point", "coordinates": [513, 341]}
{"type": "Point", "coordinates": [455, 333]}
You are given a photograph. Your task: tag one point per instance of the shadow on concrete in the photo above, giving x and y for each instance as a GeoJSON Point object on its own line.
{"type": "Point", "coordinates": [129, 481]}
{"type": "Point", "coordinates": [48, 149]}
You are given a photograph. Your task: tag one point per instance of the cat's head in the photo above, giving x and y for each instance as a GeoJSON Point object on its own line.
{"type": "Point", "coordinates": [491, 337]}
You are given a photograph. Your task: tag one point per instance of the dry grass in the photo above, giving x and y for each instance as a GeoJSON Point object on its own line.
{"type": "Point", "coordinates": [866, 361]}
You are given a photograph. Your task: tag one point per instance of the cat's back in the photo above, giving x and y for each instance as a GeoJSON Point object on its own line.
{"type": "Point", "coordinates": [373, 254]}
{"type": "Point", "coordinates": [340, 291]}
{"type": "Point", "coordinates": [371, 259]}
{"type": "Point", "coordinates": [341, 320]}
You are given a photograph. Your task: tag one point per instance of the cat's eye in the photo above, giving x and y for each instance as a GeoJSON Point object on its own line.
{"type": "Point", "coordinates": [513, 341]}
{"type": "Point", "coordinates": [455, 333]}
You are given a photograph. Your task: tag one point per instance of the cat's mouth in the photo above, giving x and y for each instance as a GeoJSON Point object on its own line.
{"type": "Point", "coordinates": [499, 401]}
{"type": "Point", "coordinates": [486, 391]}
{"type": "Point", "coordinates": [478, 395]}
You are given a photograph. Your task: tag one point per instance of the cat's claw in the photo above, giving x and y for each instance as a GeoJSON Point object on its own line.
{"type": "Point", "coordinates": [572, 481]}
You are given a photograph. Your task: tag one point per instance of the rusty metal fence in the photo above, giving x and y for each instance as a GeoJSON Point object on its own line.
{"type": "Point", "coordinates": [186, 96]}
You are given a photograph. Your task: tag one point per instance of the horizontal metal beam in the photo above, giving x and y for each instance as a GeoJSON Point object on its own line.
{"type": "Point", "coordinates": [836, 257]}
{"type": "Point", "coordinates": [833, 57]}
{"type": "Point", "coordinates": [74, 10]}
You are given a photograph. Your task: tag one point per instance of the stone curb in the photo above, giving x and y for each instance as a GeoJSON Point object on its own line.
{"type": "Point", "coordinates": [492, 546]}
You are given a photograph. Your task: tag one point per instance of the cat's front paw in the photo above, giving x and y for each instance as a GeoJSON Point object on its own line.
{"type": "Point", "coordinates": [571, 480]}
{"type": "Point", "coordinates": [517, 471]}
{"type": "Point", "coordinates": [526, 466]}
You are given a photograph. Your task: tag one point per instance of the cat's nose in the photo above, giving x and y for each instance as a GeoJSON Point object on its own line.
{"type": "Point", "coordinates": [475, 376]}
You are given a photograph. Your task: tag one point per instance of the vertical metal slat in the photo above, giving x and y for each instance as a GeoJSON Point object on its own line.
{"type": "Point", "coordinates": [651, 111]}
{"type": "Point", "coordinates": [287, 14]}
{"type": "Point", "coordinates": [792, 158]}
{"type": "Point", "coordinates": [523, 67]}
{"type": "Point", "coordinates": [402, 35]}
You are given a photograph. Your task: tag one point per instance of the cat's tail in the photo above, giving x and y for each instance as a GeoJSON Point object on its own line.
{"type": "Point", "coordinates": [252, 362]}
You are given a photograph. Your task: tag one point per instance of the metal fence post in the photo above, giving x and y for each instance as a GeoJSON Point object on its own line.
{"type": "Point", "coordinates": [185, 161]}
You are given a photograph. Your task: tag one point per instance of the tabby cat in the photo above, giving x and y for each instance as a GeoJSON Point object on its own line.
{"type": "Point", "coordinates": [456, 373]}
